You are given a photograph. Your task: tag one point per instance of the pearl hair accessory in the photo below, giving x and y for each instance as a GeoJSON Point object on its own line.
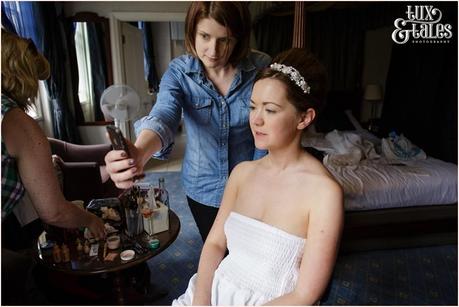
{"type": "Point", "coordinates": [293, 74]}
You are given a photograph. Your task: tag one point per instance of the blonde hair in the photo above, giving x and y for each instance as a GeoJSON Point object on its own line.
{"type": "Point", "coordinates": [22, 67]}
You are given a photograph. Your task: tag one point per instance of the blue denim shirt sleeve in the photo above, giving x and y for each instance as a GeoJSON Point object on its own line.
{"type": "Point", "coordinates": [165, 115]}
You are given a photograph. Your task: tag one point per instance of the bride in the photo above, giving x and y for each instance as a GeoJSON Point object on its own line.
{"type": "Point", "coordinates": [281, 216]}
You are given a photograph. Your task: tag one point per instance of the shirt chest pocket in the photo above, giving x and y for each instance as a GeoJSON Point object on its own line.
{"type": "Point", "coordinates": [201, 108]}
{"type": "Point", "coordinates": [240, 112]}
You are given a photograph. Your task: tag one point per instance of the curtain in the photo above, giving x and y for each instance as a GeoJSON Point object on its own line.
{"type": "Point", "coordinates": [421, 92]}
{"type": "Point", "coordinates": [274, 34]}
{"type": "Point", "coordinates": [6, 23]}
{"type": "Point", "coordinates": [70, 29]}
{"type": "Point", "coordinates": [336, 37]}
{"type": "Point", "coordinates": [56, 51]}
{"type": "Point", "coordinates": [98, 65]}
{"type": "Point", "coordinates": [19, 18]}
{"type": "Point", "coordinates": [151, 75]}
{"type": "Point", "coordinates": [40, 22]}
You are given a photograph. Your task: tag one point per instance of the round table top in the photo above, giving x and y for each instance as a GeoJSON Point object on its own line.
{"type": "Point", "coordinates": [82, 264]}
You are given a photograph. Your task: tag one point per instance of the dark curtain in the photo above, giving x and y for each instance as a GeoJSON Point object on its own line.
{"type": "Point", "coordinates": [56, 51]}
{"type": "Point", "coordinates": [151, 74]}
{"type": "Point", "coordinates": [273, 34]}
{"type": "Point", "coordinates": [337, 37]}
{"type": "Point", "coordinates": [421, 92]}
{"type": "Point", "coordinates": [40, 22]}
{"type": "Point", "coordinates": [339, 47]}
{"type": "Point", "coordinates": [98, 65]}
{"type": "Point", "coordinates": [70, 28]}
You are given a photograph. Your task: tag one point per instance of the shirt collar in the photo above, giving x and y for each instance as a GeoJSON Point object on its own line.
{"type": "Point", "coordinates": [246, 64]}
{"type": "Point", "coordinates": [193, 65]}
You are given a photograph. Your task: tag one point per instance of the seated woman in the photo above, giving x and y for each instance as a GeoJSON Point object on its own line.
{"type": "Point", "coordinates": [26, 160]}
{"type": "Point", "coordinates": [281, 216]}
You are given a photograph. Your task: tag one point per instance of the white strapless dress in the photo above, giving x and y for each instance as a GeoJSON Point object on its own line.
{"type": "Point", "coordinates": [262, 264]}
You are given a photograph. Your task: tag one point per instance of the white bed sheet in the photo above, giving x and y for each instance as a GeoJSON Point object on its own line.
{"type": "Point", "coordinates": [378, 183]}
{"type": "Point", "coordinates": [373, 185]}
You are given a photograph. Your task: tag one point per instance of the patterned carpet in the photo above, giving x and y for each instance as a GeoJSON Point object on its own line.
{"type": "Point", "coordinates": [173, 268]}
{"type": "Point", "coordinates": [415, 276]}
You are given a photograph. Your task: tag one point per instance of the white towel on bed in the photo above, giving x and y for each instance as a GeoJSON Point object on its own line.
{"type": "Point", "coordinates": [349, 149]}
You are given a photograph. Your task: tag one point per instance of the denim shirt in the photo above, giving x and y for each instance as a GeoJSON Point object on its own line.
{"type": "Point", "coordinates": [217, 127]}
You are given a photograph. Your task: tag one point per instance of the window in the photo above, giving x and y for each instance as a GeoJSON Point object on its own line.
{"type": "Point", "coordinates": [85, 91]}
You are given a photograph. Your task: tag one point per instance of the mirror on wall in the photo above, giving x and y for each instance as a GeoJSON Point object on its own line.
{"type": "Point", "coordinates": [94, 64]}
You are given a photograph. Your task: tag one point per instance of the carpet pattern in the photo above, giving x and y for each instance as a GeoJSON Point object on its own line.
{"type": "Point", "coordinates": [173, 268]}
{"type": "Point", "coordinates": [415, 276]}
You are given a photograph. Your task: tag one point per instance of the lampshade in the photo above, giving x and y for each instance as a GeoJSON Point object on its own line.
{"type": "Point", "coordinates": [373, 92]}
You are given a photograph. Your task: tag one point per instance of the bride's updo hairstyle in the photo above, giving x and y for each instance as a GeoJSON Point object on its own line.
{"type": "Point", "coordinates": [305, 78]}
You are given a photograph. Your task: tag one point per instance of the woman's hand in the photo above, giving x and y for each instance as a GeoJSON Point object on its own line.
{"type": "Point", "coordinates": [96, 227]}
{"type": "Point", "coordinates": [121, 168]}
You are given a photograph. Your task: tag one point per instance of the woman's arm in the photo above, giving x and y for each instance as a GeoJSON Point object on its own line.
{"type": "Point", "coordinates": [26, 142]}
{"type": "Point", "coordinates": [214, 248]}
{"type": "Point", "coordinates": [322, 244]}
{"type": "Point", "coordinates": [155, 133]}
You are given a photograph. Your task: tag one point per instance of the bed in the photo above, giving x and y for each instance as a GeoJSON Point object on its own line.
{"type": "Point", "coordinates": [389, 203]}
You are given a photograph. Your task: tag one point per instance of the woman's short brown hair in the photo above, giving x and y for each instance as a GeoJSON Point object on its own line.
{"type": "Point", "coordinates": [22, 67]}
{"type": "Point", "coordinates": [313, 72]}
{"type": "Point", "coordinates": [233, 15]}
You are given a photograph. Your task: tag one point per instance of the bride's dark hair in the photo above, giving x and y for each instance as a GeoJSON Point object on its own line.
{"type": "Point", "coordinates": [310, 69]}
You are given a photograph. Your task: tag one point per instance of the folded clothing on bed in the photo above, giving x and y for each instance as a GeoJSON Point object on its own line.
{"type": "Point", "coordinates": [398, 147]}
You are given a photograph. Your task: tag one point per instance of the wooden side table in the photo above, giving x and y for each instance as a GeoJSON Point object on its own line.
{"type": "Point", "coordinates": [82, 265]}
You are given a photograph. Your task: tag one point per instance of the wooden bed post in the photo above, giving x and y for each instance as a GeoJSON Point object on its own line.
{"type": "Point", "coordinates": [299, 31]}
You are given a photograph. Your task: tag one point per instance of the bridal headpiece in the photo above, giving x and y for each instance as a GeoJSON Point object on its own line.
{"type": "Point", "coordinates": [293, 75]}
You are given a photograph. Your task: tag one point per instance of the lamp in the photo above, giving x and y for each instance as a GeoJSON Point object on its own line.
{"type": "Point", "coordinates": [373, 94]}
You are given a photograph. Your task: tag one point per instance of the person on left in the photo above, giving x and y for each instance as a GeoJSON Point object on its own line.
{"type": "Point", "coordinates": [26, 161]}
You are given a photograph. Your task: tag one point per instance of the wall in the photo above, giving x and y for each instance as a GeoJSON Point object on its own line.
{"type": "Point", "coordinates": [104, 8]}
